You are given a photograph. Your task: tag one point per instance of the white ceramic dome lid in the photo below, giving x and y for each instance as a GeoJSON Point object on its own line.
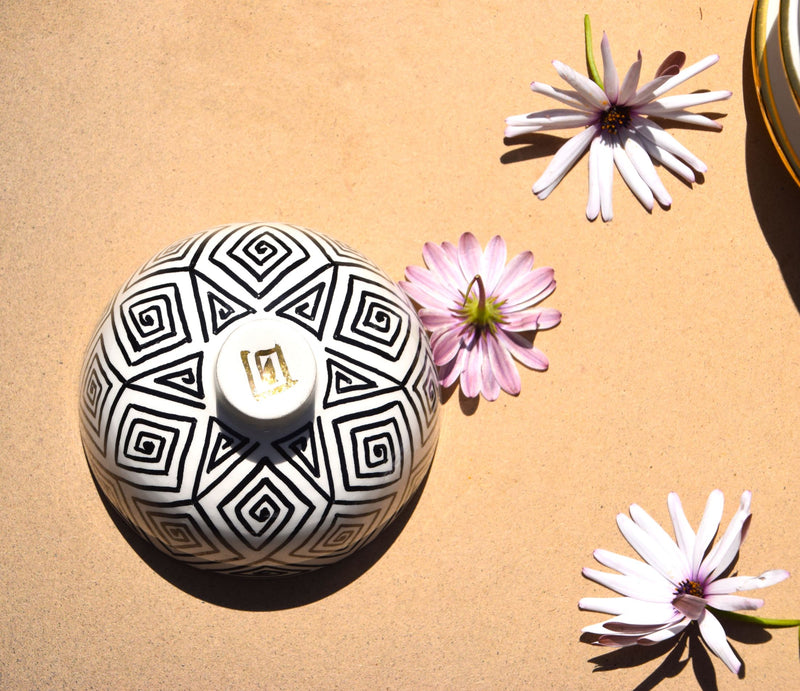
{"type": "Point", "coordinates": [220, 485]}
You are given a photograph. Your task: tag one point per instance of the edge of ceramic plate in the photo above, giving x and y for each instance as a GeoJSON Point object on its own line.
{"type": "Point", "coordinates": [790, 66]}
{"type": "Point", "coordinates": [761, 76]}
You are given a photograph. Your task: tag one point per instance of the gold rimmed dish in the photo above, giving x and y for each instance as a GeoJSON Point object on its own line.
{"type": "Point", "coordinates": [774, 85]}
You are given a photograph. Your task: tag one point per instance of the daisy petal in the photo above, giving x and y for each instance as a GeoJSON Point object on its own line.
{"type": "Point", "coordinates": [628, 89]}
{"type": "Point", "coordinates": [725, 551]}
{"type": "Point", "coordinates": [451, 371]}
{"type": "Point", "coordinates": [547, 318]}
{"type": "Point", "coordinates": [673, 62]}
{"type": "Point", "coordinates": [563, 161]}
{"type": "Point", "coordinates": [450, 250]}
{"type": "Point", "coordinates": [516, 268]}
{"type": "Point", "coordinates": [632, 178]}
{"type": "Point", "coordinates": [445, 344]}
{"type": "Point", "coordinates": [609, 605]}
{"type": "Point", "coordinates": [708, 528]}
{"type": "Point", "coordinates": [628, 566]}
{"type": "Point", "coordinates": [630, 587]}
{"type": "Point", "coordinates": [644, 166]}
{"type": "Point", "coordinates": [503, 367]}
{"type": "Point", "coordinates": [593, 203]}
{"type": "Point", "coordinates": [523, 350]}
{"type": "Point", "coordinates": [683, 531]}
{"type": "Point", "coordinates": [648, 618]}
{"type": "Point", "coordinates": [570, 98]}
{"type": "Point", "coordinates": [649, 639]}
{"type": "Point", "coordinates": [490, 386]}
{"type": "Point", "coordinates": [530, 288]}
{"type": "Point", "coordinates": [686, 118]}
{"type": "Point", "coordinates": [670, 103]}
{"type": "Point", "coordinates": [714, 636]}
{"type": "Point", "coordinates": [493, 262]}
{"type": "Point", "coordinates": [690, 606]}
{"type": "Point", "coordinates": [665, 633]}
{"type": "Point", "coordinates": [617, 627]}
{"type": "Point", "coordinates": [649, 550]}
{"type": "Point", "coordinates": [666, 159]}
{"type": "Point", "coordinates": [469, 255]}
{"type": "Point", "coordinates": [471, 373]}
{"type": "Point", "coordinates": [664, 140]}
{"type": "Point", "coordinates": [605, 176]}
{"type": "Point", "coordinates": [723, 586]}
{"type": "Point", "coordinates": [646, 92]}
{"type": "Point", "coordinates": [686, 74]}
{"type": "Point", "coordinates": [521, 321]}
{"type": "Point", "coordinates": [587, 90]}
{"type": "Point", "coordinates": [733, 603]}
{"type": "Point", "coordinates": [534, 320]}
{"type": "Point", "coordinates": [664, 542]}
{"type": "Point", "coordinates": [425, 298]}
{"type": "Point", "coordinates": [439, 294]}
{"type": "Point", "coordinates": [610, 76]}
{"type": "Point", "coordinates": [441, 264]}
{"type": "Point", "coordinates": [556, 119]}
{"type": "Point", "coordinates": [434, 319]}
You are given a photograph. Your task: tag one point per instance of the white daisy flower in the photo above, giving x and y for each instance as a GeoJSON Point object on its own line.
{"type": "Point", "coordinates": [616, 117]}
{"type": "Point", "coordinates": [677, 583]}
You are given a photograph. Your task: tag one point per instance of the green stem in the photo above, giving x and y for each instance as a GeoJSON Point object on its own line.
{"type": "Point", "coordinates": [591, 66]}
{"type": "Point", "coordinates": [762, 621]}
{"type": "Point", "coordinates": [481, 292]}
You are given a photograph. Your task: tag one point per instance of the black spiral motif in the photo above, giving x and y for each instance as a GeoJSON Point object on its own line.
{"type": "Point", "coordinates": [372, 448]}
{"type": "Point", "coordinates": [152, 448]}
{"type": "Point", "coordinates": [100, 386]}
{"type": "Point", "coordinates": [373, 319]}
{"type": "Point", "coordinates": [146, 445]}
{"type": "Point", "coordinates": [258, 256]}
{"type": "Point", "coordinates": [152, 322]}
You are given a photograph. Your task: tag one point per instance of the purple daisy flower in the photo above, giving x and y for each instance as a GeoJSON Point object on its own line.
{"type": "Point", "coordinates": [478, 311]}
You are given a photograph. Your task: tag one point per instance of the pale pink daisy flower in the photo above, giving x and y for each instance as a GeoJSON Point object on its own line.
{"type": "Point", "coordinates": [677, 583]}
{"type": "Point", "coordinates": [477, 310]}
{"type": "Point", "coordinates": [618, 129]}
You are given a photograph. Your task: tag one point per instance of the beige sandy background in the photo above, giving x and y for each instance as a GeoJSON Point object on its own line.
{"type": "Point", "coordinates": [126, 126]}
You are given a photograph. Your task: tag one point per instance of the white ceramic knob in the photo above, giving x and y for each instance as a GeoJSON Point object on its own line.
{"type": "Point", "coordinates": [266, 372]}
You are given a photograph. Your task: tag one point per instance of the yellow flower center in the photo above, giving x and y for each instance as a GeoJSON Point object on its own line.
{"type": "Point", "coordinates": [615, 118]}
{"type": "Point", "coordinates": [688, 587]}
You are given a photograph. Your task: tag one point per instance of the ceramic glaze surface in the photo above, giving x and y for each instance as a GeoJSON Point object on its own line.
{"type": "Point", "coordinates": [208, 478]}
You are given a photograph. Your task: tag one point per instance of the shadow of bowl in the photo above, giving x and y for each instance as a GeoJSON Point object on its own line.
{"type": "Point", "coordinates": [258, 594]}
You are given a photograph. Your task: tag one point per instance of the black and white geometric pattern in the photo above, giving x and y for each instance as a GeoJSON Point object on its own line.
{"type": "Point", "coordinates": [221, 494]}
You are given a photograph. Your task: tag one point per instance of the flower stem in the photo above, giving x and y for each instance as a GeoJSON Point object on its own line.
{"type": "Point", "coordinates": [761, 621]}
{"type": "Point", "coordinates": [481, 292]}
{"type": "Point", "coordinates": [591, 66]}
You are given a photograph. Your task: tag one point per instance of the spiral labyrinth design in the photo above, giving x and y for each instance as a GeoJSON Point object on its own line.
{"type": "Point", "coordinates": [218, 493]}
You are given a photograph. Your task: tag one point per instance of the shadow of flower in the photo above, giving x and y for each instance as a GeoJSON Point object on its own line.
{"type": "Point", "coordinates": [674, 663]}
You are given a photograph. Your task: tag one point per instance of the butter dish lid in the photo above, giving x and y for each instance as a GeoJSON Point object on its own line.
{"type": "Point", "coordinates": [259, 399]}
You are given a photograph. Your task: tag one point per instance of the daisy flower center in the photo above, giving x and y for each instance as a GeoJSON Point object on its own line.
{"type": "Point", "coordinates": [614, 118]}
{"type": "Point", "coordinates": [688, 587]}
{"type": "Point", "coordinates": [478, 310]}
